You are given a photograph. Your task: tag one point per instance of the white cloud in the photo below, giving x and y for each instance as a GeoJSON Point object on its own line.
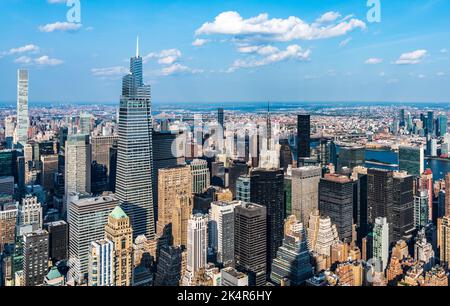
{"type": "Point", "coordinates": [261, 28]}
{"type": "Point", "coordinates": [345, 42]}
{"type": "Point", "coordinates": [261, 50]}
{"type": "Point", "coordinates": [57, 1]}
{"type": "Point", "coordinates": [328, 17]}
{"type": "Point", "coordinates": [200, 42]}
{"type": "Point", "coordinates": [444, 50]}
{"type": "Point", "coordinates": [23, 60]}
{"type": "Point", "coordinates": [292, 52]}
{"type": "Point", "coordinates": [178, 68]}
{"type": "Point", "coordinates": [45, 60]}
{"type": "Point", "coordinates": [110, 72]}
{"type": "Point", "coordinates": [60, 26]}
{"type": "Point", "coordinates": [374, 61]}
{"type": "Point", "coordinates": [27, 48]}
{"type": "Point", "coordinates": [441, 73]}
{"type": "Point", "coordinates": [392, 81]}
{"type": "Point", "coordinates": [164, 57]}
{"type": "Point", "coordinates": [411, 58]}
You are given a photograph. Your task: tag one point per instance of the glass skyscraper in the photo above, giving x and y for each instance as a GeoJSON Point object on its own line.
{"type": "Point", "coordinates": [22, 106]}
{"type": "Point", "coordinates": [135, 155]}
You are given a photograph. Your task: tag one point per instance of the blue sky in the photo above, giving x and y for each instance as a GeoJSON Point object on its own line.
{"type": "Point", "coordinates": [230, 51]}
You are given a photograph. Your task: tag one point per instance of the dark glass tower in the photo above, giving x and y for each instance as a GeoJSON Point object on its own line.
{"type": "Point", "coordinates": [135, 154]}
{"type": "Point", "coordinates": [250, 242]}
{"type": "Point", "coordinates": [221, 117]}
{"type": "Point", "coordinates": [336, 201]}
{"type": "Point", "coordinates": [267, 189]}
{"type": "Point", "coordinates": [303, 137]}
{"type": "Point", "coordinates": [403, 208]}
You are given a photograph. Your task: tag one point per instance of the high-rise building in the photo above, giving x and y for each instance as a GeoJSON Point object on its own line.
{"type": "Point", "coordinates": [267, 189]}
{"type": "Point", "coordinates": [221, 231]}
{"type": "Point", "coordinates": [447, 195]}
{"type": "Point", "coordinates": [135, 158]}
{"type": "Point", "coordinates": [322, 234]}
{"type": "Point", "coordinates": [101, 146]}
{"type": "Point", "coordinates": [221, 118]}
{"type": "Point", "coordinates": [23, 120]}
{"type": "Point", "coordinates": [236, 169]}
{"type": "Point", "coordinates": [8, 221]}
{"type": "Point", "coordinates": [181, 212]}
{"type": "Point", "coordinates": [381, 242]}
{"type": "Point", "coordinates": [350, 157]}
{"type": "Point", "coordinates": [200, 175]}
{"type": "Point", "coordinates": [101, 263]}
{"type": "Point", "coordinates": [87, 218]}
{"type": "Point", "coordinates": [444, 240]}
{"type": "Point", "coordinates": [411, 160]}
{"type": "Point", "coordinates": [305, 191]}
{"type": "Point", "coordinates": [430, 123]}
{"type": "Point", "coordinates": [380, 196]}
{"type": "Point", "coordinates": [442, 125]}
{"type": "Point", "coordinates": [196, 247]}
{"type": "Point", "coordinates": [293, 259]}
{"type": "Point", "coordinates": [403, 207]}
{"type": "Point", "coordinates": [250, 249]}
{"type": "Point", "coordinates": [35, 257]}
{"type": "Point", "coordinates": [84, 124]}
{"type": "Point", "coordinates": [303, 137]}
{"type": "Point", "coordinates": [169, 266]}
{"type": "Point", "coordinates": [49, 167]}
{"type": "Point", "coordinates": [421, 209]}
{"type": "Point", "coordinates": [30, 213]}
{"type": "Point", "coordinates": [118, 230]}
{"type": "Point", "coordinates": [336, 201]}
{"type": "Point", "coordinates": [58, 232]}
{"type": "Point", "coordinates": [77, 165]}
{"type": "Point", "coordinates": [171, 183]}
{"type": "Point", "coordinates": [167, 153]}
{"type": "Point", "coordinates": [243, 188]}
{"type": "Point", "coordinates": [285, 154]}
{"type": "Point", "coordinates": [6, 186]}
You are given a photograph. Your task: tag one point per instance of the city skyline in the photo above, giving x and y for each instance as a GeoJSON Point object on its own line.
{"type": "Point", "coordinates": [307, 47]}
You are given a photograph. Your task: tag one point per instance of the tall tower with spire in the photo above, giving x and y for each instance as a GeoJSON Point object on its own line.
{"type": "Point", "coordinates": [135, 151]}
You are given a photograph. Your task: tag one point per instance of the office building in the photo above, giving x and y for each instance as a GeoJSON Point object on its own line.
{"type": "Point", "coordinates": [35, 257]}
{"type": "Point", "coordinates": [421, 209]}
{"type": "Point", "coordinates": [403, 207]}
{"type": "Point", "coordinates": [135, 154]}
{"type": "Point", "coordinates": [243, 188]}
{"type": "Point", "coordinates": [267, 189]}
{"type": "Point", "coordinates": [336, 201]}
{"type": "Point", "coordinates": [200, 175]}
{"type": "Point", "coordinates": [49, 167]}
{"type": "Point", "coordinates": [30, 213]}
{"type": "Point", "coordinates": [171, 183]}
{"type": "Point", "coordinates": [231, 277]}
{"type": "Point", "coordinates": [58, 232]}
{"type": "Point", "coordinates": [118, 230]}
{"type": "Point", "coordinates": [293, 259]}
{"type": "Point", "coordinates": [7, 186]}
{"type": "Point", "coordinates": [221, 231]}
{"type": "Point", "coordinates": [196, 247]}
{"type": "Point", "coordinates": [322, 234]}
{"type": "Point", "coordinates": [381, 242]}
{"type": "Point", "coordinates": [77, 165]}
{"type": "Point", "coordinates": [250, 249]}
{"type": "Point", "coordinates": [411, 160]}
{"type": "Point", "coordinates": [169, 266]}
{"type": "Point", "coordinates": [447, 196]}
{"type": "Point", "coordinates": [101, 267]}
{"type": "Point", "coordinates": [444, 240]}
{"type": "Point", "coordinates": [181, 212]}
{"type": "Point", "coordinates": [350, 157]}
{"type": "Point", "coordinates": [8, 221]}
{"type": "Point", "coordinates": [87, 218]}
{"type": "Point", "coordinates": [303, 137]}
{"type": "Point", "coordinates": [305, 191]}
{"type": "Point", "coordinates": [23, 121]}
{"type": "Point", "coordinates": [236, 169]}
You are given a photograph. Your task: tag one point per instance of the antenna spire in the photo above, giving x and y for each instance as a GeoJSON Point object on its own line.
{"type": "Point", "coordinates": [137, 47]}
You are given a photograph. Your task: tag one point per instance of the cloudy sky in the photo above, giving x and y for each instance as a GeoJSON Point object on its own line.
{"type": "Point", "coordinates": [220, 51]}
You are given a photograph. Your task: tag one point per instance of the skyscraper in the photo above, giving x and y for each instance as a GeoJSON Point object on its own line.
{"type": "Point", "coordinates": [87, 218]}
{"type": "Point", "coordinates": [336, 201]}
{"type": "Point", "coordinates": [8, 219]}
{"type": "Point", "coordinates": [181, 212]}
{"type": "Point", "coordinates": [447, 195]}
{"type": "Point", "coordinates": [135, 157]}
{"type": "Point", "coordinates": [58, 240]}
{"type": "Point", "coordinates": [35, 257]}
{"type": "Point", "coordinates": [442, 125]}
{"type": "Point", "coordinates": [381, 242]}
{"type": "Point", "coordinates": [243, 188]}
{"type": "Point", "coordinates": [250, 249]}
{"type": "Point", "coordinates": [444, 240]}
{"type": "Point", "coordinates": [267, 189]}
{"type": "Point", "coordinates": [303, 137]}
{"type": "Point", "coordinates": [421, 209]}
{"type": "Point", "coordinates": [118, 230]}
{"type": "Point", "coordinates": [221, 231]}
{"type": "Point", "coordinates": [200, 176]}
{"type": "Point", "coordinates": [196, 247]}
{"type": "Point", "coordinates": [22, 106]}
{"type": "Point", "coordinates": [172, 182]}
{"type": "Point", "coordinates": [305, 191]}
{"type": "Point", "coordinates": [77, 165]}
{"type": "Point", "coordinates": [411, 160]}
{"type": "Point", "coordinates": [403, 207]}
{"type": "Point", "coordinates": [101, 263]}
{"type": "Point", "coordinates": [221, 117]}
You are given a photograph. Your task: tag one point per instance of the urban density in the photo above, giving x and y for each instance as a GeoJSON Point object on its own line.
{"type": "Point", "coordinates": [134, 193]}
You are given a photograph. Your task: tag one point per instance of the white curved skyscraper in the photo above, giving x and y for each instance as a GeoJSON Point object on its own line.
{"type": "Point", "coordinates": [22, 106]}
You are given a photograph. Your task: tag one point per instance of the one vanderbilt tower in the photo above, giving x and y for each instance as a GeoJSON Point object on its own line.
{"type": "Point", "coordinates": [135, 152]}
